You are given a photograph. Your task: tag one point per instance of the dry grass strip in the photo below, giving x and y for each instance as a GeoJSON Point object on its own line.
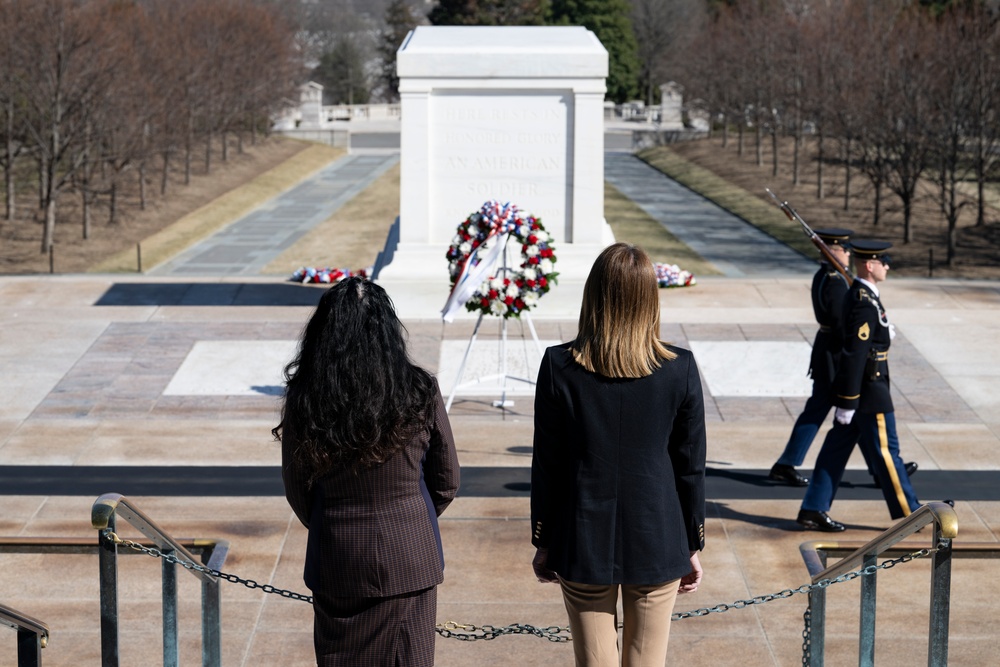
{"type": "Point", "coordinates": [766, 217]}
{"type": "Point", "coordinates": [210, 218]}
{"type": "Point", "coordinates": [352, 237]}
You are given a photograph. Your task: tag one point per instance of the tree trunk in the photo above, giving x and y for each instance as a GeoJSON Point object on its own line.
{"type": "Point", "coordinates": [225, 146]}
{"type": "Point", "coordinates": [796, 148]}
{"type": "Point", "coordinates": [819, 165]}
{"type": "Point", "coordinates": [725, 131]}
{"type": "Point", "coordinates": [165, 173]}
{"type": "Point", "coordinates": [113, 204]}
{"type": "Point", "coordinates": [877, 214]}
{"type": "Point", "coordinates": [48, 235]}
{"type": "Point", "coordinates": [980, 181]}
{"type": "Point", "coordinates": [907, 215]}
{"type": "Point", "coordinates": [48, 191]}
{"type": "Point", "coordinates": [43, 185]}
{"type": "Point", "coordinates": [740, 140]}
{"type": "Point", "coordinates": [847, 174]}
{"type": "Point", "coordinates": [952, 242]}
{"type": "Point", "coordinates": [208, 153]}
{"type": "Point", "coordinates": [774, 152]}
{"type": "Point", "coordinates": [142, 185]}
{"type": "Point", "coordinates": [188, 149]}
{"type": "Point", "coordinates": [85, 205]}
{"type": "Point", "coordinates": [759, 139]}
{"type": "Point", "coordinates": [8, 178]}
{"type": "Point", "coordinates": [8, 173]}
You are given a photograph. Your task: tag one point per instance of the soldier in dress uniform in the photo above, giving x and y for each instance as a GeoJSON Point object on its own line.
{"type": "Point", "coordinates": [864, 412]}
{"type": "Point", "coordinates": [829, 287]}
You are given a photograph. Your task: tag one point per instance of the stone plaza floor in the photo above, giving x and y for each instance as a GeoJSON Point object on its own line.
{"type": "Point", "coordinates": [166, 388]}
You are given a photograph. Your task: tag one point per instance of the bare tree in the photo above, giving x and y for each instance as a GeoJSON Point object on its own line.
{"type": "Point", "coordinates": [64, 81]}
{"type": "Point", "coordinates": [664, 29]}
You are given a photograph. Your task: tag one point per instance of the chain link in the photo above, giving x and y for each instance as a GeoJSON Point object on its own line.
{"type": "Point", "coordinates": [807, 636]}
{"type": "Point", "coordinates": [186, 564]}
{"type": "Point", "coordinates": [469, 633]}
{"type": "Point", "coordinates": [554, 633]}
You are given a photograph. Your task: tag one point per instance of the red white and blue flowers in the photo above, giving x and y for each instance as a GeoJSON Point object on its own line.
{"type": "Point", "coordinates": [671, 275]}
{"type": "Point", "coordinates": [510, 291]}
{"type": "Point", "coordinates": [309, 274]}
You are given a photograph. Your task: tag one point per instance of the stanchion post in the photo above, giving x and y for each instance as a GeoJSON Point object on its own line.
{"type": "Point", "coordinates": [138, 257]}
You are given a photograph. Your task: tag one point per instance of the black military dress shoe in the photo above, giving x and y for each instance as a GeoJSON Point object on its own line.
{"type": "Point", "coordinates": [787, 475]}
{"type": "Point", "coordinates": [814, 520]}
{"type": "Point", "coordinates": [910, 468]}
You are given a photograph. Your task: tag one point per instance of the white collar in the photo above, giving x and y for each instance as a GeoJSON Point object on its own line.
{"type": "Point", "coordinates": [870, 285]}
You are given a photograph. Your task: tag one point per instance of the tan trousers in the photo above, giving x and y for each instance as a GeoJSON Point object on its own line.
{"type": "Point", "coordinates": [593, 620]}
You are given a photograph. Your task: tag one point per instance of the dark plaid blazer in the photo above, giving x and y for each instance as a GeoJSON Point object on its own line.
{"type": "Point", "coordinates": [618, 471]}
{"type": "Point", "coordinates": [374, 532]}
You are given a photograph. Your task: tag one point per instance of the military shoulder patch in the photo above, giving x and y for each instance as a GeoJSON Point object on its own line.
{"type": "Point", "coordinates": [864, 332]}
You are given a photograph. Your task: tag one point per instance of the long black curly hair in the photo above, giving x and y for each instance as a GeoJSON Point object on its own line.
{"type": "Point", "coordinates": [353, 397]}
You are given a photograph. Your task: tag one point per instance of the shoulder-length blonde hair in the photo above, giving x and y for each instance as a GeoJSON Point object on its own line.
{"type": "Point", "coordinates": [619, 333]}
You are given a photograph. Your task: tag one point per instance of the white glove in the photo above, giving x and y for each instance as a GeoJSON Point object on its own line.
{"type": "Point", "coordinates": [843, 416]}
{"type": "Point", "coordinates": [892, 330]}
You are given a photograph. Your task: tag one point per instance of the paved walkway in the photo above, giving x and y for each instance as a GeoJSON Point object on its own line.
{"type": "Point", "coordinates": [734, 246]}
{"type": "Point", "coordinates": [250, 243]}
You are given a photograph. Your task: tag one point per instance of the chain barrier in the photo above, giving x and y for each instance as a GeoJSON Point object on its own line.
{"type": "Point", "coordinates": [805, 588]}
{"type": "Point", "coordinates": [807, 637]}
{"type": "Point", "coordinates": [469, 632]}
{"type": "Point", "coordinates": [188, 565]}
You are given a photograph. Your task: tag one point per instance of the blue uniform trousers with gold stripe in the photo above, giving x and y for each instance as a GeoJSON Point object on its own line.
{"type": "Point", "coordinates": [875, 433]}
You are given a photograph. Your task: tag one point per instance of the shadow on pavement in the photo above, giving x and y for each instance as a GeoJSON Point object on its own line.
{"type": "Point", "coordinates": [211, 294]}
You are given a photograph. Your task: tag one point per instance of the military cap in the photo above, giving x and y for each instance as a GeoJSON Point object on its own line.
{"type": "Point", "coordinates": [865, 249]}
{"type": "Point", "coordinates": [835, 236]}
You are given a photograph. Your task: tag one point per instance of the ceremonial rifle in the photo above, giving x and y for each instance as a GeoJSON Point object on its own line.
{"type": "Point", "coordinates": [824, 249]}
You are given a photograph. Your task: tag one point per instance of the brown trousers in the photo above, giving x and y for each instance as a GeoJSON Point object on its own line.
{"type": "Point", "coordinates": [593, 620]}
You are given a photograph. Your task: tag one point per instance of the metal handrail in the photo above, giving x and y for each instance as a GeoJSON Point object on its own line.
{"type": "Point", "coordinates": [103, 515]}
{"type": "Point", "coordinates": [945, 522]}
{"type": "Point", "coordinates": [32, 635]}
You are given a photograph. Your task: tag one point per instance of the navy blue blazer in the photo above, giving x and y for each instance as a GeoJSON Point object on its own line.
{"type": "Point", "coordinates": [618, 471]}
{"type": "Point", "coordinates": [829, 289]}
{"type": "Point", "coordinates": [862, 381]}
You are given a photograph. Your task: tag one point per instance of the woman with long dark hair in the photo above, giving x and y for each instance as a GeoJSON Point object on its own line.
{"type": "Point", "coordinates": [618, 469]}
{"type": "Point", "coordinates": [368, 463]}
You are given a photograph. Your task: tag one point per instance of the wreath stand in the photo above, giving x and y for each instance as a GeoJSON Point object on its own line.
{"type": "Point", "coordinates": [502, 375]}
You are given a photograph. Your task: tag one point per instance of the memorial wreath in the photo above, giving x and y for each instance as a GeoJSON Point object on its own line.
{"type": "Point", "coordinates": [509, 291]}
{"type": "Point", "coordinates": [310, 274]}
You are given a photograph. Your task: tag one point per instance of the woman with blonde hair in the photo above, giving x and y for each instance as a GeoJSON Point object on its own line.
{"type": "Point", "coordinates": [618, 471]}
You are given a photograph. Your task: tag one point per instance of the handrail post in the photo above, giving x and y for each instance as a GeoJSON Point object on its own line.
{"type": "Point", "coordinates": [937, 648]}
{"type": "Point", "coordinates": [169, 581]}
{"type": "Point", "coordinates": [211, 623]}
{"type": "Point", "coordinates": [29, 648]}
{"type": "Point", "coordinates": [108, 563]}
{"type": "Point", "coordinates": [211, 610]}
{"type": "Point", "coordinates": [817, 634]}
{"type": "Point", "coordinates": [866, 638]}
